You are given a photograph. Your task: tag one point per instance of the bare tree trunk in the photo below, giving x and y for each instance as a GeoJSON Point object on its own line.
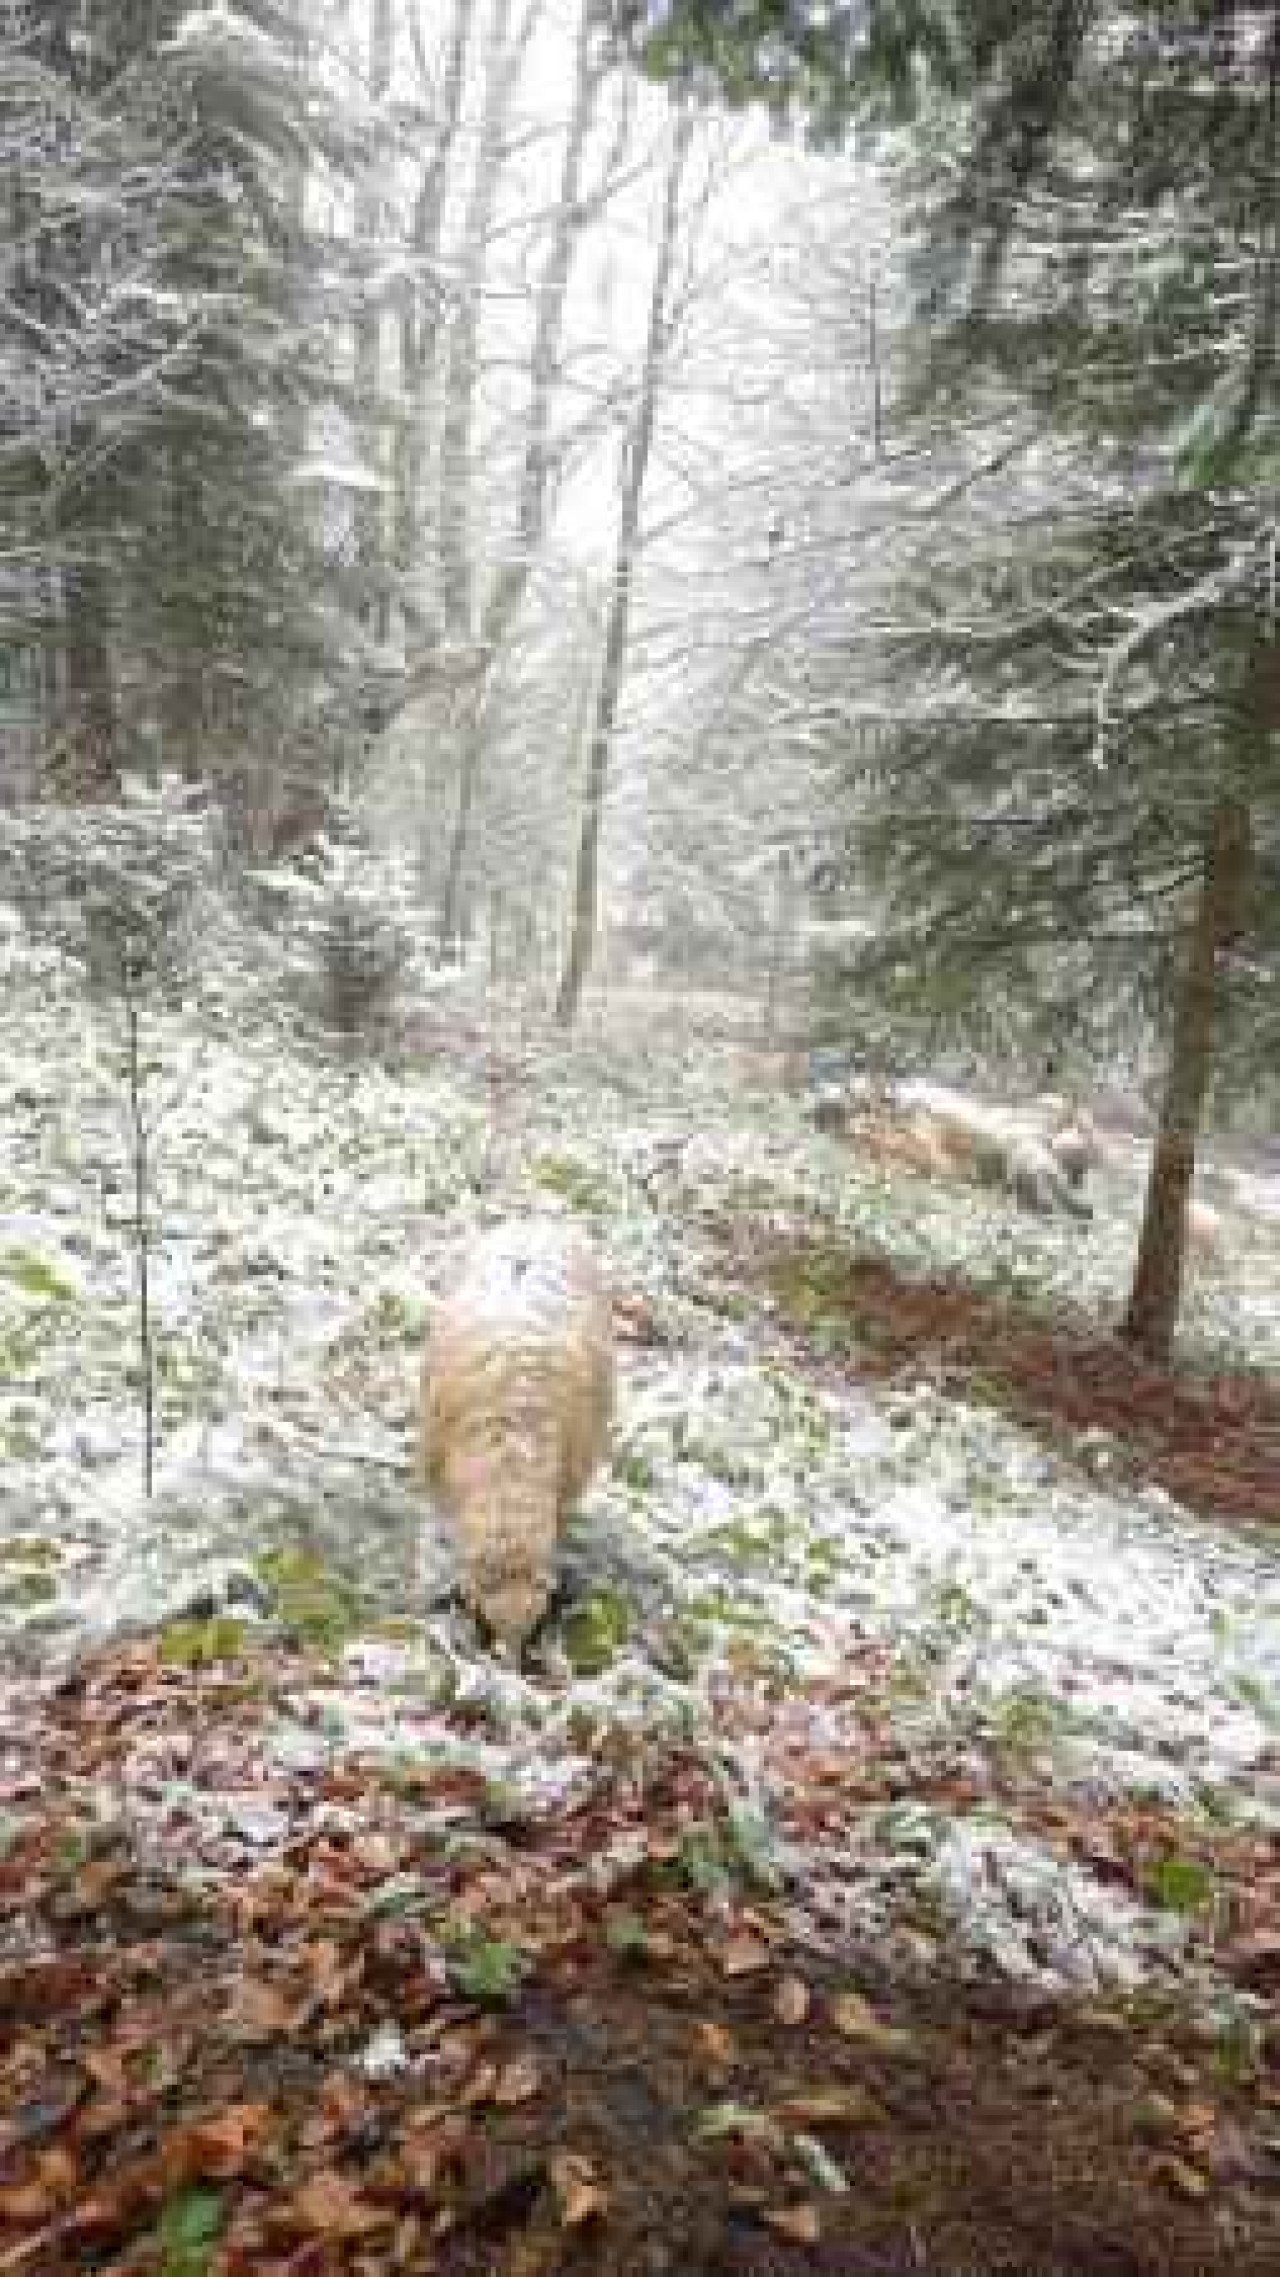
{"type": "Point", "coordinates": [472, 730]}
{"type": "Point", "coordinates": [1152, 1313]}
{"type": "Point", "coordinates": [586, 889]}
{"type": "Point", "coordinates": [419, 323]}
{"type": "Point", "coordinates": [502, 65]}
{"type": "Point", "coordinates": [180, 678]}
{"type": "Point", "coordinates": [370, 520]}
{"type": "Point", "coordinates": [94, 768]}
{"type": "Point", "coordinates": [512, 581]}
{"type": "Point", "coordinates": [571, 214]}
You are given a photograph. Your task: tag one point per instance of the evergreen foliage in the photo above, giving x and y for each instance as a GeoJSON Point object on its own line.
{"type": "Point", "coordinates": [178, 566]}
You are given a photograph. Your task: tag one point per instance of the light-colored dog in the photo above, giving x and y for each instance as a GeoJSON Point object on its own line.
{"type": "Point", "coordinates": [518, 1394]}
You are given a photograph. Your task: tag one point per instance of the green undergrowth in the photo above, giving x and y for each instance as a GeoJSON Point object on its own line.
{"type": "Point", "coordinates": [24, 1269]}
{"type": "Point", "coordinates": [193, 1643]}
{"type": "Point", "coordinates": [28, 1572]}
{"type": "Point", "coordinates": [573, 1181]}
{"type": "Point", "coordinates": [318, 1607]}
{"type": "Point", "coordinates": [596, 1631]}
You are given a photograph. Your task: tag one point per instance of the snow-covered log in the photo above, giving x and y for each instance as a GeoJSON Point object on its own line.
{"type": "Point", "coordinates": [518, 1393]}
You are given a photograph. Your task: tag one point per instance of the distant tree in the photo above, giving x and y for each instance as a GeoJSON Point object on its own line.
{"type": "Point", "coordinates": [372, 533]}
{"type": "Point", "coordinates": [487, 574]}
{"type": "Point", "coordinates": [637, 449]}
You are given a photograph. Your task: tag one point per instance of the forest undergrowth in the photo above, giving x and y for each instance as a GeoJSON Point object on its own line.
{"type": "Point", "coordinates": [874, 1867]}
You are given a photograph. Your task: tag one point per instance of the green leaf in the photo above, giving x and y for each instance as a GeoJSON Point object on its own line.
{"type": "Point", "coordinates": [488, 1969]}
{"type": "Point", "coordinates": [701, 1864]}
{"type": "Point", "coordinates": [1259, 1697]}
{"type": "Point", "coordinates": [37, 1278]}
{"type": "Point", "coordinates": [318, 1606]}
{"type": "Point", "coordinates": [188, 2232]}
{"type": "Point", "coordinates": [1181, 1885]}
{"type": "Point", "coordinates": [822, 2166]}
{"type": "Point", "coordinates": [398, 1897]}
{"type": "Point", "coordinates": [626, 1935]}
{"type": "Point", "coordinates": [721, 2120]}
{"type": "Point", "coordinates": [198, 1644]}
{"type": "Point", "coordinates": [596, 1631]}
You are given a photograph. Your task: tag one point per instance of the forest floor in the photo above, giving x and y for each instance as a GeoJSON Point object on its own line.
{"type": "Point", "coordinates": [379, 2053]}
{"type": "Point", "coordinates": [876, 1866]}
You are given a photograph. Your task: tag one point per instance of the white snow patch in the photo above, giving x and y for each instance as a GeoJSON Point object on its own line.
{"type": "Point", "coordinates": [1034, 1918]}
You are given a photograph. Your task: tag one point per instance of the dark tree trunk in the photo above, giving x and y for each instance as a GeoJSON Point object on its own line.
{"type": "Point", "coordinates": [91, 761]}
{"type": "Point", "coordinates": [586, 883]}
{"type": "Point", "coordinates": [453, 910]}
{"type": "Point", "coordinates": [371, 536]}
{"type": "Point", "coordinates": [1152, 1313]}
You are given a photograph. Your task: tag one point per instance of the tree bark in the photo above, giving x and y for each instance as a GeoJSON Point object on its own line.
{"type": "Point", "coordinates": [471, 743]}
{"type": "Point", "coordinates": [462, 342]}
{"type": "Point", "coordinates": [586, 891]}
{"type": "Point", "coordinates": [92, 760]}
{"type": "Point", "coordinates": [371, 537]}
{"type": "Point", "coordinates": [1152, 1313]}
{"type": "Point", "coordinates": [419, 324]}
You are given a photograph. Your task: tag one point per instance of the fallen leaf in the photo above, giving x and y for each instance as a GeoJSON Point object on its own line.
{"type": "Point", "coordinates": [826, 2170]}
{"type": "Point", "coordinates": [327, 2202]}
{"type": "Point", "coordinates": [406, 2245]}
{"type": "Point", "coordinates": [744, 1955]}
{"type": "Point", "coordinates": [103, 2115]}
{"type": "Point", "coordinates": [428, 2140]}
{"type": "Point", "coordinates": [826, 2106]}
{"type": "Point", "coordinates": [715, 2044]}
{"type": "Point", "coordinates": [721, 2120]}
{"type": "Point", "coordinates": [798, 2222]}
{"type": "Point", "coordinates": [107, 2068]}
{"type": "Point", "coordinates": [480, 2087]}
{"type": "Point", "coordinates": [219, 2146]}
{"type": "Point", "coordinates": [855, 2019]}
{"type": "Point", "coordinates": [791, 2001]}
{"type": "Point", "coordinates": [1157, 2113]}
{"type": "Point", "coordinates": [1256, 1957]}
{"type": "Point", "coordinates": [35, 2201]}
{"type": "Point", "coordinates": [377, 1853]}
{"type": "Point", "coordinates": [260, 2011]}
{"type": "Point", "coordinates": [324, 1966]}
{"type": "Point", "coordinates": [344, 2103]}
{"type": "Point", "coordinates": [518, 2081]}
{"type": "Point", "coordinates": [1186, 2179]}
{"type": "Point", "coordinates": [578, 2188]}
{"type": "Point", "coordinates": [95, 1879]}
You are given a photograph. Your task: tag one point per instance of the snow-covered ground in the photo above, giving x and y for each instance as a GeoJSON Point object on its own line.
{"type": "Point", "coordinates": [757, 1518]}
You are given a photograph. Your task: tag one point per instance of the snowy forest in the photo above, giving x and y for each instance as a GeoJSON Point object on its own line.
{"type": "Point", "coordinates": [639, 1138]}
